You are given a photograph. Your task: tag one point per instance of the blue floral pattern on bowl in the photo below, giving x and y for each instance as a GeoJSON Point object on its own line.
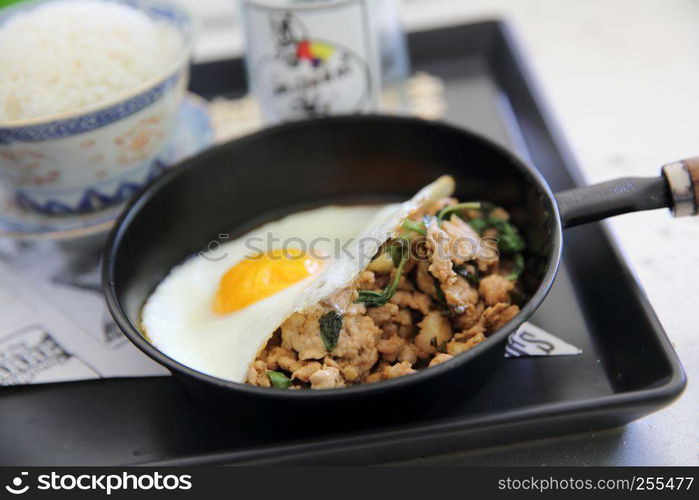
{"type": "Point", "coordinates": [87, 160]}
{"type": "Point", "coordinates": [193, 132]}
{"type": "Point", "coordinates": [90, 121]}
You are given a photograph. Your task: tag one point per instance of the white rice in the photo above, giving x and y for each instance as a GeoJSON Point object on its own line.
{"type": "Point", "coordinates": [65, 55]}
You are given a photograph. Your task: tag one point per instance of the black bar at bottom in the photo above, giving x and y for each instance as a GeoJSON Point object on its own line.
{"type": "Point", "coordinates": [344, 482]}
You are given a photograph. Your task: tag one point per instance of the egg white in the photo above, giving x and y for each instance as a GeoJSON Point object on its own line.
{"type": "Point", "coordinates": [178, 316]}
{"type": "Point", "coordinates": [179, 319]}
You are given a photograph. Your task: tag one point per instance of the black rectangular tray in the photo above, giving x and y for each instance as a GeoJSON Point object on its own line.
{"type": "Point", "coordinates": [627, 369]}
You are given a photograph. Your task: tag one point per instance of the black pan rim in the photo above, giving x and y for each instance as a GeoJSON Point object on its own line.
{"type": "Point", "coordinates": [135, 204]}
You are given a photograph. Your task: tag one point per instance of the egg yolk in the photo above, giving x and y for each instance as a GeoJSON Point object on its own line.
{"type": "Point", "coordinates": [260, 276]}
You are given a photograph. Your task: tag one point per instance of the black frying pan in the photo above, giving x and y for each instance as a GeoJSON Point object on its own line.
{"type": "Point", "coordinates": [352, 159]}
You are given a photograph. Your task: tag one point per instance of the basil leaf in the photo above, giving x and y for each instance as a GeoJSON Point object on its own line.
{"type": "Point", "coordinates": [509, 239]}
{"type": "Point", "coordinates": [473, 278]}
{"type": "Point", "coordinates": [415, 227]}
{"type": "Point", "coordinates": [279, 380]}
{"type": "Point", "coordinates": [519, 267]}
{"type": "Point", "coordinates": [444, 307]}
{"type": "Point", "coordinates": [330, 326]}
{"type": "Point", "coordinates": [373, 298]}
{"type": "Point", "coordinates": [399, 249]}
{"type": "Point", "coordinates": [470, 205]}
{"type": "Point", "coordinates": [479, 225]}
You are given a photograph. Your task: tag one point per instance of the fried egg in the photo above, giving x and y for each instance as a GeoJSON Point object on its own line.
{"type": "Point", "coordinates": [217, 310]}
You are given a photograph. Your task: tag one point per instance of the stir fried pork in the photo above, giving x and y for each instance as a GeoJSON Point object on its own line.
{"type": "Point", "coordinates": [406, 312]}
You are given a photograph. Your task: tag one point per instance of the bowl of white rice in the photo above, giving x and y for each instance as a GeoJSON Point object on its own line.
{"type": "Point", "coordinates": [89, 90]}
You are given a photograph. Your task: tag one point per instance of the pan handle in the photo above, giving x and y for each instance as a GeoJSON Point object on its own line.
{"type": "Point", "coordinates": [676, 188]}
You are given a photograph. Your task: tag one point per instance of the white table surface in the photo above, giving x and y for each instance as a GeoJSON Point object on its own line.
{"type": "Point", "coordinates": [622, 77]}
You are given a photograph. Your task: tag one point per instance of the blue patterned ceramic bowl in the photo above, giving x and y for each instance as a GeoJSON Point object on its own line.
{"type": "Point", "coordinates": [99, 155]}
